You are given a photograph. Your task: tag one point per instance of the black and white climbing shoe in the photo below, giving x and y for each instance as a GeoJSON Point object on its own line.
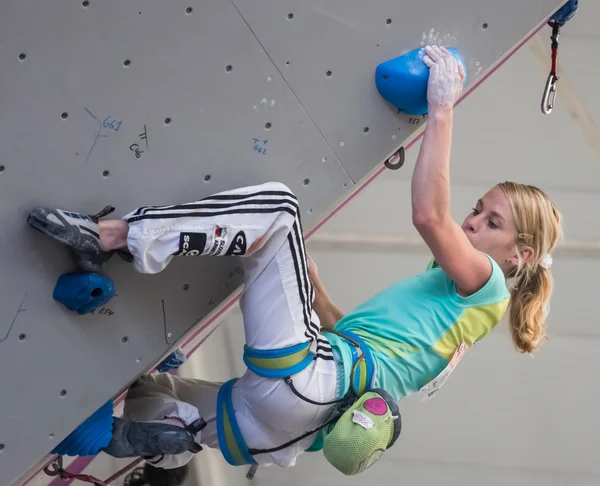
{"type": "Point", "coordinates": [150, 439]}
{"type": "Point", "coordinates": [76, 230]}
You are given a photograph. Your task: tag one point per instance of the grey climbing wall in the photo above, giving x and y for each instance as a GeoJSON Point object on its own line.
{"type": "Point", "coordinates": [149, 102]}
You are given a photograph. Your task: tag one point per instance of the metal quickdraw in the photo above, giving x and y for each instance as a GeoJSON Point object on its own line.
{"type": "Point", "coordinates": [550, 90]}
{"type": "Point", "coordinates": [556, 22]}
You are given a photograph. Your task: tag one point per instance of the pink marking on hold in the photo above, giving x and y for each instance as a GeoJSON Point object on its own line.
{"type": "Point", "coordinates": [376, 406]}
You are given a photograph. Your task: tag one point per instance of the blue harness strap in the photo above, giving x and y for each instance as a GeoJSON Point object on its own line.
{"type": "Point", "coordinates": [278, 363]}
{"type": "Point", "coordinates": [231, 442]}
{"type": "Point", "coordinates": [364, 371]}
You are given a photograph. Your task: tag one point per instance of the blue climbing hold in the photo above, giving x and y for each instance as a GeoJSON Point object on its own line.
{"type": "Point", "coordinates": [91, 437]}
{"type": "Point", "coordinates": [83, 292]}
{"type": "Point", "coordinates": [566, 12]}
{"type": "Point", "coordinates": [403, 81]}
{"type": "Point", "coordinates": [172, 362]}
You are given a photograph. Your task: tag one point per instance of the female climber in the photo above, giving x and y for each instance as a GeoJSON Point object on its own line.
{"type": "Point", "coordinates": [308, 362]}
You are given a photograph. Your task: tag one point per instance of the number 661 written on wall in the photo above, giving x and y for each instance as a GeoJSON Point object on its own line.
{"type": "Point", "coordinates": [112, 124]}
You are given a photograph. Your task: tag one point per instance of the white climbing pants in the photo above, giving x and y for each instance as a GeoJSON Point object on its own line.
{"type": "Point", "coordinates": [262, 225]}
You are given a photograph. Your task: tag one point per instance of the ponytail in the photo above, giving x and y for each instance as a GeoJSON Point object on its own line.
{"type": "Point", "coordinates": [539, 227]}
{"type": "Point", "coordinates": [529, 304]}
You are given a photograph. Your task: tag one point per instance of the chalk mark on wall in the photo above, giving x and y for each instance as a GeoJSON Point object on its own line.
{"type": "Point", "coordinates": [98, 135]}
{"type": "Point", "coordinates": [19, 310]}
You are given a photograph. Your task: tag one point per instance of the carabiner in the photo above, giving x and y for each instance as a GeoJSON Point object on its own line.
{"type": "Point", "coordinates": [549, 94]}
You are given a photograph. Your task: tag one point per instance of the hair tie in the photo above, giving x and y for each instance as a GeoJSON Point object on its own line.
{"type": "Point", "coordinates": [546, 261]}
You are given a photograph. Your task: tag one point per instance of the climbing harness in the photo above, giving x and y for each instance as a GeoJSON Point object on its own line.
{"type": "Point", "coordinates": [556, 22]}
{"type": "Point", "coordinates": [282, 364]}
{"type": "Point", "coordinates": [57, 469]}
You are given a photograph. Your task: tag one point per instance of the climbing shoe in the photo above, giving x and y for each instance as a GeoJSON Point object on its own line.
{"type": "Point", "coordinates": [150, 439]}
{"type": "Point", "coordinates": [78, 231]}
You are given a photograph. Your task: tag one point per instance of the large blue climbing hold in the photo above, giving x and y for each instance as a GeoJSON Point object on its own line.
{"type": "Point", "coordinates": [566, 12]}
{"type": "Point", "coordinates": [91, 437]}
{"type": "Point", "coordinates": [83, 292]}
{"type": "Point", "coordinates": [403, 81]}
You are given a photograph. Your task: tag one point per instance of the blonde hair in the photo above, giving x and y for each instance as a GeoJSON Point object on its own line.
{"type": "Point", "coordinates": [539, 226]}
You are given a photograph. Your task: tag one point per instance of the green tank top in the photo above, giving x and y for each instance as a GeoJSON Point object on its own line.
{"type": "Point", "coordinates": [414, 327]}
